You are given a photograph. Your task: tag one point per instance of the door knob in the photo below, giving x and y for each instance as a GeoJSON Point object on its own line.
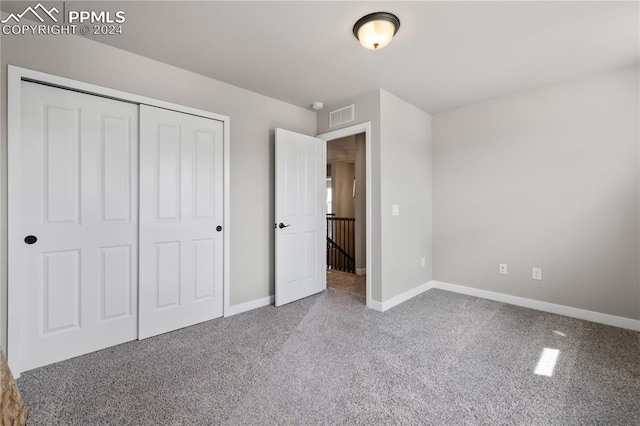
{"type": "Point", "coordinates": [30, 239]}
{"type": "Point", "coordinates": [282, 225]}
{"type": "Point", "coordinates": [218, 228]}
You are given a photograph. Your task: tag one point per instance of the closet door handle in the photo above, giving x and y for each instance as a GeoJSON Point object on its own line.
{"type": "Point", "coordinates": [30, 239]}
{"type": "Point", "coordinates": [282, 225]}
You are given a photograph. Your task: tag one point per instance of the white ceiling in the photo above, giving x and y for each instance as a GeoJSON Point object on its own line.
{"type": "Point", "coordinates": [445, 55]}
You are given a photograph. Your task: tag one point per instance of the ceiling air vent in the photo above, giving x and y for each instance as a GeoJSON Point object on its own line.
{"type": "Point", "coordinates": [341, 116]}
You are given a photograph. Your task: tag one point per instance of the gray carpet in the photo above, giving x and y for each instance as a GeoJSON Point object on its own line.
{"type": "Point", "coordinates": [440, 358]}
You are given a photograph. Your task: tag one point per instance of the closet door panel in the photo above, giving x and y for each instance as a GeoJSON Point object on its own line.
{"type": "Point", "coordinates": [181, 211]}
{"type": "Point", "coordinates": [78, 198]}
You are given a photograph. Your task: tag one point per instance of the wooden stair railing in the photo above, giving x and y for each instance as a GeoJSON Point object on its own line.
{"type": "Point", "coordinates": [341, 243]}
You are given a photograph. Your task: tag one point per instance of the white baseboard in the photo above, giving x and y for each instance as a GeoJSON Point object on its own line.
{"type": "Point", "coordinates": [375, 305]}
{"type": "Point", "coordinates": [247, 306]}
{"type": "Point", "coordinates": [553, 308]}
{"type": "Point", "coordinates": [607, 319]}
{"type": "Point", "coordinates": [403, 297]}
{"type": "Point", "coordinates": [361, 271]}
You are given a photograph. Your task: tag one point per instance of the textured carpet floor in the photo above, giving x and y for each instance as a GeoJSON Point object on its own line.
{"type": "Point", "coordinates": [440, 358]}
{"type": "Point", "coordinates": [344, 282]}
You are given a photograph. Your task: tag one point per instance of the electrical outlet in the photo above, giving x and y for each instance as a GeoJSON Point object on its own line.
{"type": "Point", "coordinates": [536, 274]}
{"type": "Point", "coordinates": [503, 269]}
{"type": "Point", "coordinates": [424, 262]}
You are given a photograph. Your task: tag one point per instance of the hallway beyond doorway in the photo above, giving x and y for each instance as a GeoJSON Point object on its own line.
{"type": "Point", "coordinates": [344, 282]}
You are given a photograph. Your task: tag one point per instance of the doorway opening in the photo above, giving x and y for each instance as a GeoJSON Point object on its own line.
{"type": "Point", "coordinates": [347, 211]}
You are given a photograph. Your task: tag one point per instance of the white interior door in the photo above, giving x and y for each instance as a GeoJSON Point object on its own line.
{"type": "Point", "coordinates": [78, 196]}
{"type": "Point", "coordinates": [300, 216]}
{"type": "Point", "coordinates": [181, 218]}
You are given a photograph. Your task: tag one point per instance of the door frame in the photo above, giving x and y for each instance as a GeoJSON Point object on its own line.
{"type": "Point", "coordinates": [15, 76]}
{"type": "Point", "coordinates": [350, 131]}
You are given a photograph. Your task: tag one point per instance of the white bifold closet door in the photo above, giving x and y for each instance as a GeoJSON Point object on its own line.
{"type": "Point", "coordinates": [79, 222]}
{"type": "Point", "coordinates": [100, 262]}
{"type": "Point", "coordinates": [181, 218]}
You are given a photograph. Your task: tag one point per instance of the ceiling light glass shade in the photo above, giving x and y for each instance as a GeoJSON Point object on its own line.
{"type": "Point", "coordinates": [376, 30]}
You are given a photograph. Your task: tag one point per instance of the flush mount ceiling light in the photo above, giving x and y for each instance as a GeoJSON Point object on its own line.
{"type": "Point", "coordinates": [375, 31]}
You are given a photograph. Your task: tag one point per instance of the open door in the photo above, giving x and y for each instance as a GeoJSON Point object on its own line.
{"type": "Point", "coordinates": [300, 216]}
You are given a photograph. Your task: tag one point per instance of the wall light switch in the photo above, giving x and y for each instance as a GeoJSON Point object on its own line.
{"type": "Point", "coordinates": [395, 210]}
{"type": "Point", "coordinates": [424, 262]}
{"type": "Point", "coordinates": [503, 269]}
{"type": "Point", "coordinates": [536, 274]}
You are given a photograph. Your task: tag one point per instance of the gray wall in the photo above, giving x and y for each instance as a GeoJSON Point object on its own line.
{"type": "Point", "coordinates": [405, 152]}
{"type": "Point", "coordinates": [547, 178]}
{"type": "Point", "coordinates": [366, 108]}
{"type": "Point", "coordinates": [400, 174]}
{"type": "Point", "coordinates": [253, 120]}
